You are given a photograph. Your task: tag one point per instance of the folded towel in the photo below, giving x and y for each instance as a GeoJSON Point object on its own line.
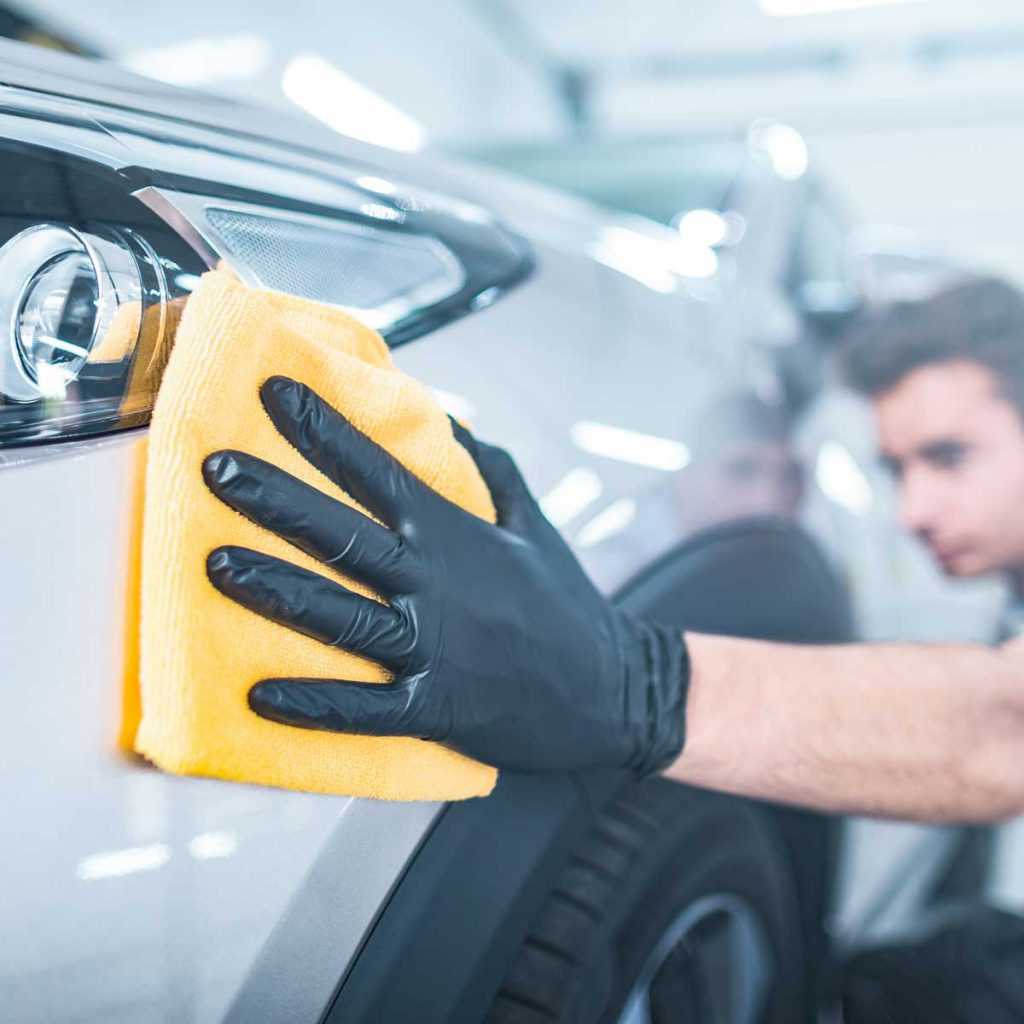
{"type": "Point", "coordinates": [198, 652]}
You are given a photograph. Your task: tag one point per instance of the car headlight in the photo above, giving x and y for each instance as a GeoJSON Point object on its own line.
{"type": "Point", "coordinates": [108, 218]}
{"type": "Point", "coordinates": [62, 292]}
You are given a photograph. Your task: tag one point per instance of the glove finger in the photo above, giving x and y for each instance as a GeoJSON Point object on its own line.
{"type": "Point", "coordinates": [464, 436]}
{"type": "Point", "coordinates": [509, 492]}
{"type": "Point", "coordinates": [358, 465]}
{"type": "Point", "coordinates": [314, 522]}
{"type": "Point", "coordinates": [311, 604]}
{"type": "Point", "coordinates": [370, 709]}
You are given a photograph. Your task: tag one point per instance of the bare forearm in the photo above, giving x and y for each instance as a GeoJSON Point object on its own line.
{"type": "Point", "coordinates": [928, 733]}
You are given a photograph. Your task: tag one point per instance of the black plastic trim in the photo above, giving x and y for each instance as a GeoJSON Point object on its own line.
{"type": "Point", "coordinates": [440, 949]}
{"type": "Point", "coordinates": [495, 259]}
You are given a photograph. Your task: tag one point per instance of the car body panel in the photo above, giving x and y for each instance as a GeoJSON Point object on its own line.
{"type": "Point", "coordinates": [131, 894]}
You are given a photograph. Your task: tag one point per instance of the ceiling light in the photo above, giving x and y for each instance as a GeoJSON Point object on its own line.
{"type": "Point", "coordinates": [704, 227]}
{"type": "Point", "coordinates": [782, 146]}
{"type": "Point", "coordinates": [328, 94]}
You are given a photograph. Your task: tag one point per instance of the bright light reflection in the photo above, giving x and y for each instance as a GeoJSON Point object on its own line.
{"type": "Point", "coordinates": [608, 522]}
{"type": "Point", "coordinates": [379, 185]}
{"type": "Point", "coordinates": [380, 211]}
{"type": "Point", "coordinates": [375, 318]}
{"type": "Point", "coordinates": [576, 490]}
{"type": "Point", "coordinates": [735, 227]}
{"type": "Point", "coordinates": [203, 61]}
{"type": "Point", "coordinates": [457, 406]}
{"type": "Point", "coordinates": [841, 479]}
{"type": "Point", "coordinates": [794, 8]}
{"type": "Point", "coordinates": [116, 863]}
{"type": "Point", "coordinates": [782, 145]}
{"type": "Point", "coordinates": [331, 96]}
{"type": "Point", "coordinates": [703, 227]}
{"type": "Point", "coordinates": [654, 262]}
{"type": "Point", "coordinates": [208, 845]}
{"type": "Point", "coordinates": [187, 282]}
{"type": "Point", "coordinates": [52, 379]}
{"type": "Point", "coordinates": [630, 446]}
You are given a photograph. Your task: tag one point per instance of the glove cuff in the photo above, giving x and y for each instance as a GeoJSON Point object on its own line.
{"type": "Point", "coordinates": [657, 685]}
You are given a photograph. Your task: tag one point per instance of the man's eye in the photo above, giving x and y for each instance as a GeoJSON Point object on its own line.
{"type": "Point", "coordinates": [893, 467]}
{"type": "Point", "coordinates": [948, 455]}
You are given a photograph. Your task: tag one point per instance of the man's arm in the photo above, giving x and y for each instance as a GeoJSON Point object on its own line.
{"type": "Point", "coordinates": [930, 733]}
{"type": "Point", "coordinates": [502, 649]}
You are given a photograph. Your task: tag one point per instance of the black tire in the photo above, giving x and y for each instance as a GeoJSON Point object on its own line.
{"type": "Point", "coordinates": [656, 850]}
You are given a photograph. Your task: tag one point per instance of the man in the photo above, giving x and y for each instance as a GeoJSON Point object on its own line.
{"type": "Point", "coordinates": [947, 380]}
{"type": "Point", "coordinates": [502, 648]}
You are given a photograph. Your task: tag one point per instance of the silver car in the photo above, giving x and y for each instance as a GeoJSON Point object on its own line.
{"type": "Point", "coordinates": [618, 363]}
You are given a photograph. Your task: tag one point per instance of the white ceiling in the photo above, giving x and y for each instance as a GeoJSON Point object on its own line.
{"type": "Point", "coordinates": [488, 68]}
{"type": "Point", "coordinates": [577, 30]}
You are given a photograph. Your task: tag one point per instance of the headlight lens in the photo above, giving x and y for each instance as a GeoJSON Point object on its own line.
{"type": "Point", "coordinates": [61, 291]}
{"type": "Point", "coordinates": [83, 329]}
{"type": "Point", "coordinates": [54, 326]}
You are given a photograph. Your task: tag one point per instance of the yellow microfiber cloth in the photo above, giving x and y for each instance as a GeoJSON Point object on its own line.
{"type": "Point", "coordinates": [198, 652]}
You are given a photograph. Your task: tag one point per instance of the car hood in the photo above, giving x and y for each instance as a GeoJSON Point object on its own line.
{"type": "Point", "coordinates": [112, 96]}
{"type": "Point", "coordinates": [105, 84]}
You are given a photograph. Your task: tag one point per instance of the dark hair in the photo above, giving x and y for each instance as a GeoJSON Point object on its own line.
{"type": "Point", "coordinates": [980, 319]}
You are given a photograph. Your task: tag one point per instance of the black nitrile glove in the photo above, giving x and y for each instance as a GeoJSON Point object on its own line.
{"type": "Point", "coordinates": [501, 647]}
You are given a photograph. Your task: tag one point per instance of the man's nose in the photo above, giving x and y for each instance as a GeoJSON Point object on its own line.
{"type": "Point", "coordinates": [919, 503]}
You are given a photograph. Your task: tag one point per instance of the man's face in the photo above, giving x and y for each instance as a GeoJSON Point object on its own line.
{"type": "Point", "coordinates": [956, 449]}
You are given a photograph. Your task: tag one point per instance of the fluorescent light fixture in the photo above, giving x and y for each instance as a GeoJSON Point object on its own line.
{"type": "Point", "coordinates": [203, 60]}
{"type": "Point", "coordinates": [340, 102]}
{"type": "Point", "coordinates": [782, 146]}
{"type": "Point", "coordinates": [630, 446]}
{"type": "Point", "coordinates": [608, 522]}
{"type": "Point", "coordinates": [209, 845]}
{"type": "Point", "coordinates": [576, 490]}
{"type": "Point", "coordinates": [795, 8]}
{"type": "Point", "coordinates": [455, 405]}
{"type": "Point", "coordinates": [841, 479]}
{"type": "Point", "coordinates": [117, 863]}
{"type": "Point", "coordinates": [654, 262]}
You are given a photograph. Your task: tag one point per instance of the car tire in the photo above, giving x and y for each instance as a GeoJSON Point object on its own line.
{"type": "Point", "coordinates": [677, 906]}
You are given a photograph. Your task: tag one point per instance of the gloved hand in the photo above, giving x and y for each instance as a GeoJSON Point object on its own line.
{"type": "Point", "coordinates": [500, 646]}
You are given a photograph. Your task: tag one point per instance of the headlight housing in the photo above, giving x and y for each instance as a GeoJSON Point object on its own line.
{"type": "Point", "coordinates": [105, 228]}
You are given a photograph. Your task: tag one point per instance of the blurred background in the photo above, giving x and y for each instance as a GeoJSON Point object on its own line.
{"type": "Point", "coordinates": [908, 108]}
